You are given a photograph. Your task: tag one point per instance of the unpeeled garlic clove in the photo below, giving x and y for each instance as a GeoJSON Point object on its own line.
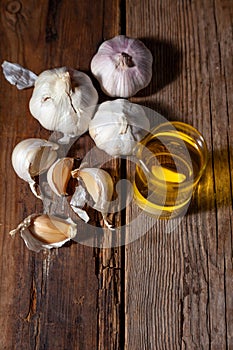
{"type": "Point", "coordinates": [45, 231]}
{"type": "Point", "coordinates": [59, 175]}
{"type": "Point", "coordinates": [123, 66]}
{"type": "Point", "coordinates": [99, 185]}
{"type": "Point", "coordinates": [32, 157]}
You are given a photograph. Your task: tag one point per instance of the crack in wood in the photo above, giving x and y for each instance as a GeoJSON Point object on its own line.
{"type": "Point", "coordinates": [37, 333]}
{"type": "Point", "coordinates": [32, 303]}
{"type": "Point", "coordinates": [108, 302]}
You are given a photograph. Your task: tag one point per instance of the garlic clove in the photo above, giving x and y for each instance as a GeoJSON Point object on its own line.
{"type": "Point", "coordinates": [32, 157]}
{"type": "Point", "coordinates": [93, 186]}
{"type": "Point", "coordinates": [118, 125]}
{"type": "Point", "coordinates": [59, 175]}
{"type": "Point", "coordinates": [99, 185]}
{"type": "Point", "coordinates": [49, 229]}
{"type": "Point", "coordinates": [64, 100]}
{"type": "Point", "coordinates": [45, 231]}
{"type": "Point", "coordinates": [17, 75]}
{"type": "Point", "coordinates": [123, 66]}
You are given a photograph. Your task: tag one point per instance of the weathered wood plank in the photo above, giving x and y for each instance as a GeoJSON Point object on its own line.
{"type": "Point", "coordinates": [178, 284]}
{"type": "Point", "coordinates": [109, 261]}
{"type": "Point", "coordinates": [69, 298]}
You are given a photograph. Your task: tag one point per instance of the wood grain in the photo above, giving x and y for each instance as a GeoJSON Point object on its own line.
{"type": "Point", "coordinates": [160, 290]}
{"type": "Point", "coordinates": [178, 284]}
{"type": "Point", "coordinates": [68, 298]}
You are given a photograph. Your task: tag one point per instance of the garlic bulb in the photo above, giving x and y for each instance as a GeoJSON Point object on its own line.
{"type": "Point", "coordinates": [64, 100]}
{"type": "Point", "coordinates": [32, 157]}
{"type": "Point", "coordinates": [99, 185]}
{"type": "Point", "coordinates": [117, 126]}
{"type": "Point", "coordinates": [123, 66]}
{"type": "Point", "coordinates": [45, 231]}
{"type": "Point", "coordinates": [59, 174]}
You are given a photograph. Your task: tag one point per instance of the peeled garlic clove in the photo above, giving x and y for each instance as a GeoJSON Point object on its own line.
{"type": "Point", "coordinates": [123, 66]}
{"type": "Point", "coordinates": [92, 179]}
{"type": "Point", "coordinates": [59, 175]}
{"type": "Point", "coordinates": [32, 157]}
{"type": "Point", "coordinates": [99, 185]}
{"type": "Point", "coordinates": [118, 125]}
{"type": "Point", "coordinates": [64, 100]}
{"type": "Point", "coordinates": [45, 231]}
{"type": "Point", "coordinates": [17, 75]}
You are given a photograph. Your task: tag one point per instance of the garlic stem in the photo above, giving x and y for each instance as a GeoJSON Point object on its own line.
{"type": "Point", "coordinates": [75, 173]}
{"type": "Point", "coordinates": [125, 61]}
{"type": "Point", "coordinates": [63, 84]}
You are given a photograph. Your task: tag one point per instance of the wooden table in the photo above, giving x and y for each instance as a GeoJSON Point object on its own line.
{"type": "Point", "coordinates": [162, 291]}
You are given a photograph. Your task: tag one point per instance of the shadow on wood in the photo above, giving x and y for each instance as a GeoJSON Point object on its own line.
{"type": "Point", "coordinates": [167, 64]}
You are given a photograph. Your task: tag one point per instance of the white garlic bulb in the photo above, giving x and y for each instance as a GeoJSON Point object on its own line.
{"type": "Point", "coordinates": [118, 125]}
{"type": "Point", "coordinates": [42, 231]}
{"type": "Point", "coordinates": [64, 100]}
{"type": "Point", "coordinates": [123, 66]}
{"type": "Point", "coordinates": [99, 185]}
{"type": "Point", "coordinates": [32, 157]}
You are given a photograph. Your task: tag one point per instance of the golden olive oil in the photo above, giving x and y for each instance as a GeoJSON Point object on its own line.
{"type": "Point", "coordinates": [171, 160]}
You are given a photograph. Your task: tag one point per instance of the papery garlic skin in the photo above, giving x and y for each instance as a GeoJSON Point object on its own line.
{"type": "Point", "coordinates": [31, 157]}
{"type": "Point", "coordinates": [64, 100]}
{"type": "Point", "coordinates": [123, 66]}
{"type": "Point", "coordinates": [78, 201]}
{"type": "Point", "coordinates": [117, 126]}
{"type": "Point", "coordinates": [42, 231]}
{"type": "Point", "coordinates": [17, 75]}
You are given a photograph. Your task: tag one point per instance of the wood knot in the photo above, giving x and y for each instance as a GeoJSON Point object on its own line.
{"type": "Point", "coordinates": [13, 7]}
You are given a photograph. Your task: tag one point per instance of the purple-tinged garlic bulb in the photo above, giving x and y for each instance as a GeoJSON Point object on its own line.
{"type": "Point", "coordinates": [123, 66]}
